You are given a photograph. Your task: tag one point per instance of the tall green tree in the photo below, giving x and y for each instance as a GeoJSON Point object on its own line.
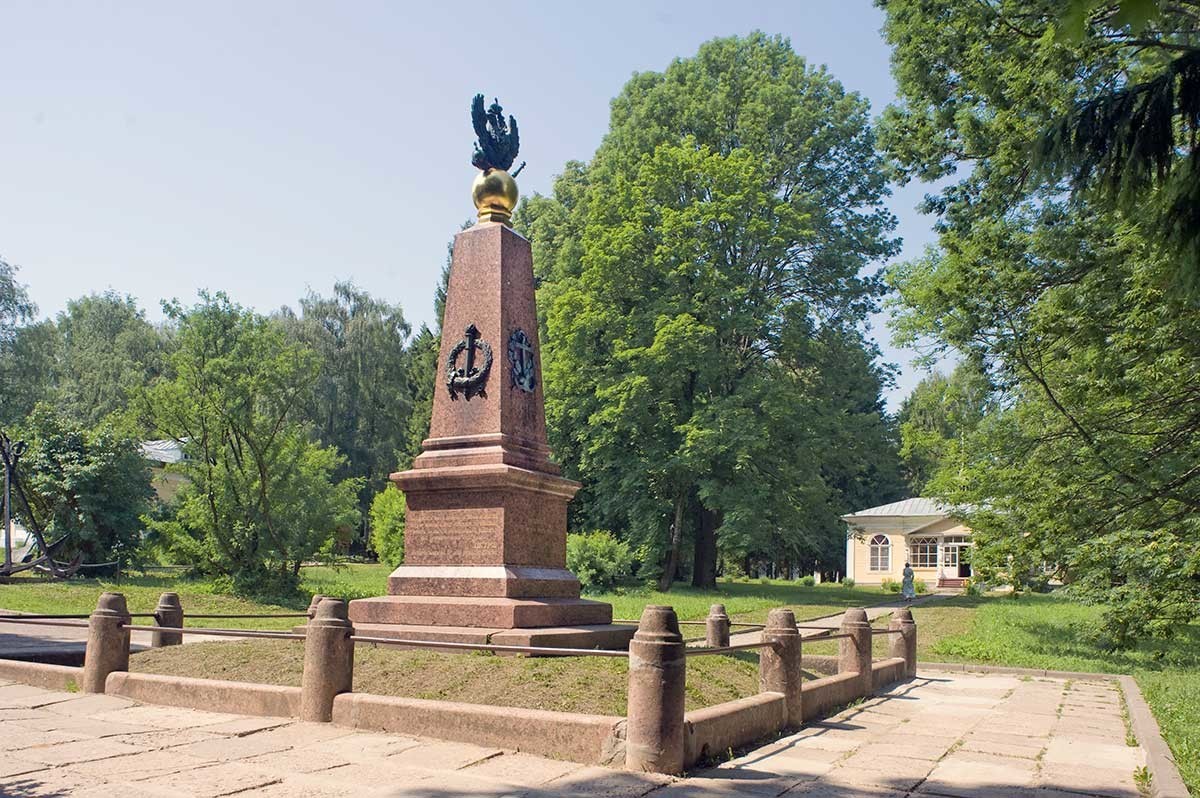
{"type": "Point", "coordinates": [731, 215]}
{"type": "Point", "coordinates": [1087, 461]}
{"type": "Point", "coordinates": [262, 497]}
{"type": "Point", "coordinates": [89, 483]}
{"type": "Point", "coordinates": [107, 351]}
{"type": "Point", "coordinates": [423, 370]}
{"type": "Point", "coordinates": [361, 401]}
{"type": "Point", "coordinates": [936, 420]}
{"type": "Point", "coordinates": [17, 383]}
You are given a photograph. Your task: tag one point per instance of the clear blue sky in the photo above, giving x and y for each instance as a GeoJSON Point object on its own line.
{"type": "Point", "coordinates": [265, 148]}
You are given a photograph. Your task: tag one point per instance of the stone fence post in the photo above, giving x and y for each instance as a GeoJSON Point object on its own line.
{"type": "Point", "coordinates": [657, 673]}
{"type": "Point", "coordinates": [169, 612]}
{"type": "Point", "coordinates": [716, 627]}
{"type": "Point", "coordinates": [854, 653]}
{"type": "Point", "coordinates": [779, 668]}
{"type": "Point", "coordinates": [328, 660]}
{"type": "Point", "coordinates": [904, 643]}
{"type": "Point", "coordinates": [107, 643]}
{"type": "Point", "coordinates": [312, 605]}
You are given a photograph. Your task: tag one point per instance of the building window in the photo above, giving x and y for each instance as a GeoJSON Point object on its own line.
{"type": "Point", "coordinates": [881, 553]}
{"type": "Point", "coordinates": [922, 552]}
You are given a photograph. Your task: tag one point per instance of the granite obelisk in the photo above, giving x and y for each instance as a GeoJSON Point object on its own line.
{"type": "Point", "coordinates": [485, 534]}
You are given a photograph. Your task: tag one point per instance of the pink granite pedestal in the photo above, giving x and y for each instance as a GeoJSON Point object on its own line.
{"type": "Point", "coordinates": [485, 532]}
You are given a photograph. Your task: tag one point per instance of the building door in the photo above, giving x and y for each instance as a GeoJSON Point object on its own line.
{"type": "Point", "coordinates": [956, 560]}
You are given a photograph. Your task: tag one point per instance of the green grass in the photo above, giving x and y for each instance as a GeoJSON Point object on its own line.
{"type": "Point", "coordinates": [78, 597]}
{"type": "Point", "coordinates": [1050, 631]}
{"type": "Point", "coordinates": [357, 580]}
{"type": "Point", "coordinates": [747, 602]}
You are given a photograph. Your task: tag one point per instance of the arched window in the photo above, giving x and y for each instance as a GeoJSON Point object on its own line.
{"type": "Point", "coordinates": [881, 553]}
{"type": "Point", "coordinates": [922, 552]}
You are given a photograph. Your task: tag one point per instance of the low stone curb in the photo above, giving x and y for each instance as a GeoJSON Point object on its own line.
{"type": "Point", "coordinates": [1165, 779]}
{"type": "Point", "coordinates": [1167, 783]}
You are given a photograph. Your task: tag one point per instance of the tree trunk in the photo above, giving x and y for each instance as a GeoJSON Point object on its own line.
{"type": "Point", "coordinates": [668, 575]}
{"type": "Point", "coordinates": [704, 560]}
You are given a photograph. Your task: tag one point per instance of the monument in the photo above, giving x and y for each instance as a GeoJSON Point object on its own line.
{"type": "Point", "coordinates": [485, 533]}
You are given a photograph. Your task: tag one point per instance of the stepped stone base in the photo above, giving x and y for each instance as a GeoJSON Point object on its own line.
{"type": "Point", "coordinates": [594, 636]}
{"type": "Point", "coordinates": [509, 581]}
{"type": "Point", "coordinates": [482, 612]}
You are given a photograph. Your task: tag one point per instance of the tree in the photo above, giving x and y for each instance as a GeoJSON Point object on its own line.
{"type": "Point", "coordinates": [262, 496]}
{"type": "Point", "coordinates": [361, 401]}
{"type": "Point", "coordinates": [935, 420]}
{"type": "Point", "coordinates": [15, 307]}
{"type": "Point", "coordinates": [29, 369]}
{"type": "Point", "coordinates": [423, 367]}
{"type": "Point", "coordinates": [107, 351]}
{"type": "Point", "coordinates": [388, 510]}
{"type": "Point", "coordinates": [1133, 143]}
{"type": "Point", "coordinates": [91, 484]}
{"type": "Point", "coordinates": [16, 310]}
{"type": "Point", "coordinates": [1087, 459]}
{"type": "Point", "coordinates": [730, 215]}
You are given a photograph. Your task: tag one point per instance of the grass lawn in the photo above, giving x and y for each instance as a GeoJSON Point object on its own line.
{"type": "Point", "coordinates": [78, 597]}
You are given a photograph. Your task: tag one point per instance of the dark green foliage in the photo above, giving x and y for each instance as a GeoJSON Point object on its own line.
{"type": "Point", "coordinates": [498, 141]}
{"type": "Point", "coordinates": [1086, 459]}
{"type": "Point", "coordinates": [361, 399]}
{"type": "Point", "coordinates": [599, 560]}
{"type": "Point", "coordinates": [91, 484]}
{"type": "Point", "coordinates": [107, 351]}
{"type": "Point", "coordinates": [703, 282]}
{"type": "Point", "coordinates": [388, 510]}
{"type": "Point", "coordinates": [261, 495]}
{"type": "Point", "coordinates": [1136, 139]}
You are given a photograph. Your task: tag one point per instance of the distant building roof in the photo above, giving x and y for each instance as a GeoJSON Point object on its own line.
{"type": "Point", "coordinates": [905, 508]}
{"type": "Point", "coordinates": [168, 451]}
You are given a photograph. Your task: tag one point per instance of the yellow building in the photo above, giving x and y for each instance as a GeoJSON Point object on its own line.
{"type": "Point", "coordinates": [918, 531]}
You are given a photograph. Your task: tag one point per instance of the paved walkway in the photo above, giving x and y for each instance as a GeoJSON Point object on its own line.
{"type": "Point", "coordinates": [959, 735]}
{"type": "Point", "coordinates": [65, 645]}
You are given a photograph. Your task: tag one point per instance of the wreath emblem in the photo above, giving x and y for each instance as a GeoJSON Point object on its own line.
{"type": "Point", "coordinates": [471, 378]}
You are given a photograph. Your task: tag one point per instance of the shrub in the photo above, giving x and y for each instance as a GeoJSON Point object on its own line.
{"type": "Point", "coordinates": [920, 586]}
{"type": "Point", "coordinates": [971, 587]}
{"type": "Point", "coordinates": [388, 509]}
{"type": "Point", "coordinates": [807, 581]}
{"type": "Point", "coordinates": [847, 582]}
{"type": "Point", "coordinates": [890, 585]}
{"type": "Point", "coordinates": [598, 559]}
{"type": "Point", "coordinates": [762, 580]}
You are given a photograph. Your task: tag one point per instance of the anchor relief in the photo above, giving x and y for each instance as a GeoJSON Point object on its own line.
{"type": "Point", "coordinates": [470, 380]}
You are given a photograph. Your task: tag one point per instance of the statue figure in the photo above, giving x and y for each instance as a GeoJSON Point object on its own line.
{"type": "Point", "coordinates": [495, 190]}
{"type": "Point", "coordinates": [907, 589]}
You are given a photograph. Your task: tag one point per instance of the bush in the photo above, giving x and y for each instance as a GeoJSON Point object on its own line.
{"type": "Point", "coordinates": [807, 581]}
{"type": "Point", "coordinates": [598, 559]}
{"type": "Point", "coordinates": [847, 582]}
{"type": "Point", "coordinates": [920, 586]}
{"type": "Point", "coordinates": [971, 587]}
{"type": "Point", "coordinates": [388, 509]}
{"type": "Point", "coordinates": [890, 585]}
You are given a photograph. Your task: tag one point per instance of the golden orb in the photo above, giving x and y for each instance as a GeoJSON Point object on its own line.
{"type": "Point", "coordinates": [495, 195]}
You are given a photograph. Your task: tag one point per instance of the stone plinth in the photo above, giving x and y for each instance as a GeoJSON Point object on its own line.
{"type": "Point", "coordinates": [485, 532]}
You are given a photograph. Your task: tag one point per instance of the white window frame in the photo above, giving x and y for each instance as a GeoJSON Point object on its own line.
{"type": "Point", "coordinates": [880, 553]}
{"type": "Point", "coordinates": [927, 555]}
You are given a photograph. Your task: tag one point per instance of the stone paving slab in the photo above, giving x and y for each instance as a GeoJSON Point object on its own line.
{"type": "Point", "coordinates": [942, 735]}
